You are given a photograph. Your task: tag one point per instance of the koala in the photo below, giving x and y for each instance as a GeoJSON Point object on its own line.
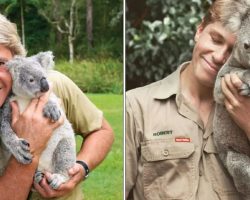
{"type": "Point", "coordinates": [231, 142]}
{"type": "Point", "coordinates": [29, 75]}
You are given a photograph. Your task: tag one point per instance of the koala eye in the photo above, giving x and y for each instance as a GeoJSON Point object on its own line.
{"type": "Point", "coordinates": [31, 80]}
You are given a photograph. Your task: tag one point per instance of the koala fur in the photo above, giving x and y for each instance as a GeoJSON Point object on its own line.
{"type": "Point", "coordinates": [231, 142]}
{"type": "Point", "coordinates": [29, 75]}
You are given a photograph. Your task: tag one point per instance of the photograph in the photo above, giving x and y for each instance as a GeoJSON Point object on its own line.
{"type": "Point", "coordinates": [61, 98]}
{"type": "Point", "coordinates": [187, 100]}
{"type": "Point", "coordinates": [124, 100]}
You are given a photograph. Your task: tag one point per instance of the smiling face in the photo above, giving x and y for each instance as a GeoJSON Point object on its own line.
{"type": "Point", "coordinates": [5, 77]}
{"type": "Point", "coordinates": [213, 47]}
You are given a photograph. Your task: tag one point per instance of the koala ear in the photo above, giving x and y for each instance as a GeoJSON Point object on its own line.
{"type": "Point", "coordinates": [14, 62]}
{"type": "Point", "coordinates": [45, 59]}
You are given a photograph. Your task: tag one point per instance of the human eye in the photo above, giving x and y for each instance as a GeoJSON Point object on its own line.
{"type": "Point", "coordinates": [216, 39]}
{"type": "Point", "coordinates": [2, 63]}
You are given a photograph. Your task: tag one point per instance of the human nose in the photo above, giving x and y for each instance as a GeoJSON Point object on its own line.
{"type": "Point", "coordinates": [221, 55]}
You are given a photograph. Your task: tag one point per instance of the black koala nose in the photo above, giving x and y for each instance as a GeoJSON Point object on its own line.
{"type": "Point", "coordinates": [246, 45]}
{"type": "Point", "coordinates": [44, 85]}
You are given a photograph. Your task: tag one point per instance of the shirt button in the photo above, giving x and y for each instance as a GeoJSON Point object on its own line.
{"type": "Point", "coordinates": [165, 152]}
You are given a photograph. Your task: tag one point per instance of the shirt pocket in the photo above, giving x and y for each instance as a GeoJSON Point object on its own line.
{"type": "Point", "coordinates": [168, 169]}
{"type": "Point", "coordinates": [221, 180]}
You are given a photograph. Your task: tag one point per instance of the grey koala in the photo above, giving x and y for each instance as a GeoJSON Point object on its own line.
{"type": "Point", "coordinates": [29, 76]}
{"type": "Point", "coordinates": [231, 142]}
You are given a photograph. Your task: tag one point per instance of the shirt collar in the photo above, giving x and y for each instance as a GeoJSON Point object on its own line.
{"type": "Point", "coordinates": [170, 85]}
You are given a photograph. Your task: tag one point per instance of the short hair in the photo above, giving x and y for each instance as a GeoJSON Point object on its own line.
{"type": "Point", "coordinates": [214, 13]}
{"type": "Point", "coordinates": [9, 37]}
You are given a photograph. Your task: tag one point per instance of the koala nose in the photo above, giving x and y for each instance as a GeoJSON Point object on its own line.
{"type": "Point", "coordinates": [246, 45]}
{"type": "Point", "coordinates": [44, 85]}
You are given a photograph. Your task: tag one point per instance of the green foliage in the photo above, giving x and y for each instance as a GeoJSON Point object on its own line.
{"type": "Point", "coordinates": [106, 181]}
{"type": "Point", "coordinates": [95, 76]}
{"type": "Point", "coordinates": [107, 30]}
{"type": "Point", "coordinates": [162, 41]}
{"type": "Point", "coordinates": [41, 35]}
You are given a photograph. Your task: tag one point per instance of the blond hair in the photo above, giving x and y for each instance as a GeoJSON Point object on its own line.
{"type": "Point", "coordinates": [9, 37]}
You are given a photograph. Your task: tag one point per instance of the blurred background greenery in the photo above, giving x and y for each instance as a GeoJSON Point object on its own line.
{"type": "Point", "coordinates": [159, 37]}
{"type": "Point", "coordinates": [86, 38]}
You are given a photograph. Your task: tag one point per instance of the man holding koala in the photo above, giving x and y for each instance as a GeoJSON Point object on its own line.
{"type": "Point", "coordinates": [170, 151]}
{"type": "Point", "coordinates": [86, 119]}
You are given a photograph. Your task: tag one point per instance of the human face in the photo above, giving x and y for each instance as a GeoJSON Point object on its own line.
{"type": "Point", "coordinates": [213, 47]}
{"type": "Point", "coordinates": [5, 77]}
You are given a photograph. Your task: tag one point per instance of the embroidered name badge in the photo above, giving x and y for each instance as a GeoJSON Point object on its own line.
{"type": "Point", "coordinates": [169, 132]}
{"type": "Point", "coordinates": [182, 140]}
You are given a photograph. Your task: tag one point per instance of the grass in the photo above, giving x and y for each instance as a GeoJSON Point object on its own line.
{"type": "Point", "coordinates": [106, 181]}
{"type": "Point", "coordinates": [95, 75]}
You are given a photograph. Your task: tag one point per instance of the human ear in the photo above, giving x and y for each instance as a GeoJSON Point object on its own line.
{"type": "Point", "coordinates": [199, 30]}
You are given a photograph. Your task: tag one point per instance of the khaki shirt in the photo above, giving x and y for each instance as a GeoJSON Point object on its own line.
{"type": "Point", "coordinates": [80, 111]}
{"type": "Point", "coordinates": [169, 152]}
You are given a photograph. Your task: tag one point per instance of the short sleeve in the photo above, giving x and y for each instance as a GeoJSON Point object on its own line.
{"type": "Point", "coordinates": [84, 116]}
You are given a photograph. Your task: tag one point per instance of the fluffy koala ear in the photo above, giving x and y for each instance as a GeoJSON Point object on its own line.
{"type": "Point", "coordinates": [14, 62]}
{"type": "Point", "coordinates": [45, 59]}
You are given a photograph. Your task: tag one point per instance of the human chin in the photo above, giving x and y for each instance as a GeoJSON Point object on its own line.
{"type": "Point", "coordinates": [205, 77]}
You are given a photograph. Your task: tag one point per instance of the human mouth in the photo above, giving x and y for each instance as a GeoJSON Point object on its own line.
{"type": "Point", "coordinates": [212, 67]}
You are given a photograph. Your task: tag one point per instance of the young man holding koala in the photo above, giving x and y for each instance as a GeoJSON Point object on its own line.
{"type": "Point", "coordinates": [170, 151]}
{"type": "Point", "coordinates": [86, 119]}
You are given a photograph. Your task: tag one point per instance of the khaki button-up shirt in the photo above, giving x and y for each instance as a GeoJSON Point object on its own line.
{"type": "Point", "coordinates": [169, 152]}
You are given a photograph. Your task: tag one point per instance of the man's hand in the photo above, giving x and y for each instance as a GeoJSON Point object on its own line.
{"type": "Point", "coordinates": [237, 105]}
{"type": "Point", "coordinates": [76, 174]}
{"type": "Point", "coordinates": [32, 125]}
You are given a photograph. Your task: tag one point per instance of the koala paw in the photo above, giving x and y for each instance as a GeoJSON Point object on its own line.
{"type": "Point", "coordinates": [20, 151]}
{"type": "Point", "coordinates": [52, 111]}
{"type": "Point", "coordinates": [38, 176]}
{"type": "Point", "coordinates": [56, 180]}
{"type": "Point", "coordinates": [244, 90]}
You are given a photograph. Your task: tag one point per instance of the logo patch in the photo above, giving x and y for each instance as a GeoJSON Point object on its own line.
{"type": "Point", "coordinates": [163, 133]}
{"type": "Point", "coordinates": [182, 140]}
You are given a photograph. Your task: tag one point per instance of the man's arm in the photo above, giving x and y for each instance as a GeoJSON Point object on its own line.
{"type": "Point", "coordinates": [18, 178]}
{"type": "Point", "coordinates": [131, 149]}
{"type": "Point", "coordinates": [93, 150]}
{"type": "Point", "coordinates": [32, 126]}
{"type": "Point", "coordinates": [97, 145]}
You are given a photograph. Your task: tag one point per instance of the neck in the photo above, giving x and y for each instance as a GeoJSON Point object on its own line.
{"type": "Point", "coordinates": [198, 95]}
{"type": "Point", "coordinates": [192, 89]}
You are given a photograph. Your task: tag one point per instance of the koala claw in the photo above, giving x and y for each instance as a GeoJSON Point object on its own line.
{"type": "Point", "coordinates": [25, 145]}
{"type": "Point", "coordinates": [56, 180]}
{"type": "Point", "coordinates": [38, 176]}
{"type": "Point", "coordinates": [245, 90]}
{"type": "Point", "coordinates": [23, 157]}
{"type": "Point", "coordinates": [52, 111]}
{"type": "Point", "coordinates": [21, 151]}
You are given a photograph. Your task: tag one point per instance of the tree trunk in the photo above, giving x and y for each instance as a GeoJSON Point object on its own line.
{"type": "Point", "coordinates": [71, 49]}
{"type": "Point", "coordinates": [90, 23]}
{"type": "Point", "coordinates": [71, 31]}
{"type": "Point", "coordinates": [22, 22]}
{"type": "Point", "coordinates": [56, 17]}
